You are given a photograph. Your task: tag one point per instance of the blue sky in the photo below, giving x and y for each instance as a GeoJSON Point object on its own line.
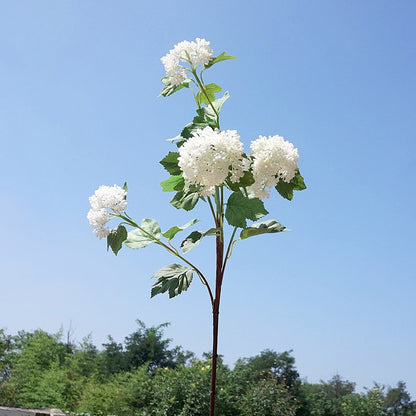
{"type": "Point", "coordinates": [79, 107]}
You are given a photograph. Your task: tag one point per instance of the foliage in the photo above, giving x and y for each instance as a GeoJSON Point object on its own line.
{"type": "Point", "coordinates": [266, 398]}
{"type": "Point", "coordinates": [123, 394]}
{"type": "Point", "coordinates": [370, 404]}
{"type": "Point", "coordinates": [280, 365]}
{"type": "Point", "coordinates": [144, 376]}
{"type": "Point", "coordinates": [398, 402]}
{"type": "Point", "coordinates": [325, 398]}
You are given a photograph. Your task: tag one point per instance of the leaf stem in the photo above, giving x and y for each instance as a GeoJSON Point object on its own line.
{"type": "Point", "coordinates": [212, 209]}
{"type": "Point", "coordinates": [198, 272]}
{"type": "Point", "coordinates": [204, 91]}
{"type": "Point", "coordinates": [171, 249]}
{"type": "Point", "coordinates": [228, 252]}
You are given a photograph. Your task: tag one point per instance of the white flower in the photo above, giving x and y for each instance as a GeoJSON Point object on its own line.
{"type": "Point", "coordinates": [206, 158]}
{"type": "Point", "coordinates": [274, 159]}
{"type": "Point", "coordinates": [109, 197]}
{"type": "Point", "coordinates": [98, 217]}
{"type": "Point", "coordinates": [102, 232]}
{"type": "Point", "coordinates": [105, 199]}
{"type": "Point", "coordinates": [196, 53]}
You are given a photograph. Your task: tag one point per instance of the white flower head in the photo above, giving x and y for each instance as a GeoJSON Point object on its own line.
{"type": "Point", "coordinates": [207, 157]}
{"type": "Point", "coordinates": [196, 53]}
{"type": "Point", "coordinates": [274, 159]}
{"type": "Point", "coordinates": [104, 200]}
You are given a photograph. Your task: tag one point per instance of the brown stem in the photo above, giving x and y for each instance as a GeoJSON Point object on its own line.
{"type": "Point", "coordinates": [215, 319]}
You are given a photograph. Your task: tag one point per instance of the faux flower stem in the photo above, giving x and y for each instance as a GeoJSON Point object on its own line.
{"type": "Point", "coordinates": [216, 311]}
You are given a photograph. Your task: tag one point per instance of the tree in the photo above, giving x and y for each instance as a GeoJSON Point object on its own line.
{"type": "Point", "coordinates": [266, 398]}
{"type": "Point", "coordinates": [7, 391]}
{"type": "Point", "coordinates": [147, 346]}
{"type": "Point", "coordinates": [325, 398]}
{"type": "Point", "coordinates": [39, 357]}
{"type": "Point", "coordinates": [364, 404]}
{"type": "Point", "coordinates": [281, 365]}
{"type": "Point", "coordinates": [398, 401]}
{"type": "Point", "coordinates": [112, 357]}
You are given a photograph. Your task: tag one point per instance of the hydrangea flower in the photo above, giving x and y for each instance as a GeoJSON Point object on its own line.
{"type": "Point", "coordinates": [274, 159]}
{"type": "Point", "coordinates": [196, 53]}
{"type": "Point", "coordinates": [206, 158]}
{"type": "Point", "coordinates": [104, 200]}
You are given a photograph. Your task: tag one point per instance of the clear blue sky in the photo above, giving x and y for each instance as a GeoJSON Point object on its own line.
{"type": "Point", "coordinates": [78, 108]}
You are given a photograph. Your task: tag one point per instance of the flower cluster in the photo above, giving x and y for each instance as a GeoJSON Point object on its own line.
{"type": "Point", "coordinates": [207, 157]}
{"type": "Point", "coordinates": [105, 199]}
{"type": "Point", "coordinates": [274, 159]}
{"type": "Point", "coordinates": [196, 53]}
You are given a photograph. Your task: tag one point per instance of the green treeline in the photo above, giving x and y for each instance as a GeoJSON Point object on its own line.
{"type": "Point", "coordinates": [145, 376]}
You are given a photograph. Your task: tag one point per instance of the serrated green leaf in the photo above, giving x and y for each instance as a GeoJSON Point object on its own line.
{"type": "Point", "coordinates": [174, 278]}
{"type": "Point", "coordinates": [207, 116]}
{"type": "Point", "coordinates": [149, 232]}
{"type": "Point", "coordinates": [209, 113]}
{"type": "Point", "coordinates": [169, 89]}
{"type": "Point", "coordinates": [286, 189]}
{"type": "Point", "coordinates": [169, 234]}
{"type": "Point", "coordinates": [116, 238]}
{"type": "Point", "coordinates": [246, 180]}
{"type": "Point", "coordinates": [220, 101]}
{"type": "Point", "coordinates": [189, 129]}
{"type": "Point", "coordinates": [170, 163]}
{"type": "Point", "coordinates": [195, 238]}
{"type": "Point", "coordinates": [264, 227]}
{"type": "Point", "coordinates": [210, 90]}
{"type": "Point", "coordinates": [174, 183]}
{"type": "Point", "coordinates": [125, 186]}
{"type": "Point", "coordinates": [239, 208]}
{"type": "Point", "coordinates": [185, 199]}
{"type": "Point", "coordinates": [219, 58]}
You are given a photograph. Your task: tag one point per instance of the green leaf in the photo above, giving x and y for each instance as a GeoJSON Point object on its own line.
{"type": "Point", "coordinates": [219, 58]}
{"type": "Point", "coordinates": [246, 180]}
{"type": "Point", "coordinates": [197, 123]}
{"type": "Point", "coordinates": [209, 113]}
{"type": "Point", "coordinates": [174, 183]}
{"type": "Point", "coordinates": [170, 163]}
{"type": "Point", "coordinates": [174, 278]}
{"type": "Point", "coordinates": [125, 186]}
{"type": "Point", "coordinates": [207, 116]}
{"type": "Point", "coordinates": [264, 227]}
{"type": "Point", "coordinates": [149, 232]}
{"type": "Point", "coordinates": [210, 90]}
{"type": "Point", "coordinates": [286, 189]}
{"type": "Point", "coordinates": [169, 234]}
{"type": "Point", "coordinates": [239, 208]}
{"type": "Point", "coordinates": [185, 199]}
{"type": "Point", "coordinates": [116, 238]}
{"type": "Point", "coordinates": [195, 238]}
{"type": "Point", "coordinates": [169, 89]}
{"type": "Point", "coordinates": [220, 101]}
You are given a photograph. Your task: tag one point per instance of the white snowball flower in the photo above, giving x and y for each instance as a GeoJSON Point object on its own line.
{"type": "Point", "coordinates": [109, 197]}
{"type": "Point", "coordinates": [98, 217]}
{"type": "Point", "coordinates": [274, 159]}
{"type": "Point", "coordinates": [206, 158]}
{"type": "Point", "coordinates": [196, 53]}
{"type": "Point", "coordinates": [105, 199]}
